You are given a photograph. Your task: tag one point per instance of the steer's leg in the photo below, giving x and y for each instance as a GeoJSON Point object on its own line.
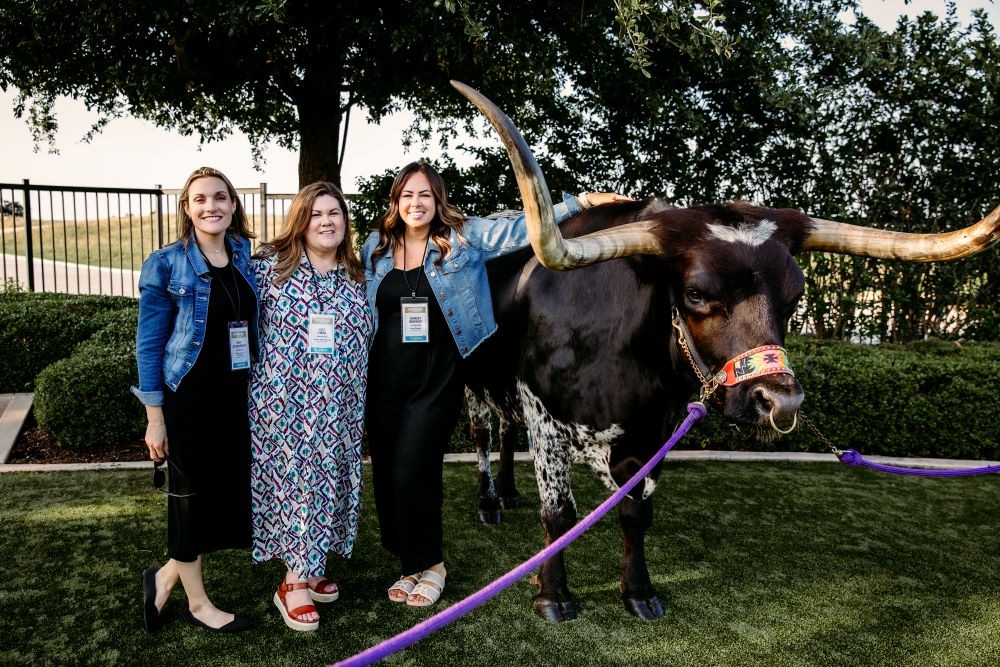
{"type": "Point", "coordinates": [554, 602]}
{"type": "Point", "coordinates": [510, 498]}
{"type": "Point", "coordinates": [635, 517]}
{"type": "Point", "coordinates": [481, 433]}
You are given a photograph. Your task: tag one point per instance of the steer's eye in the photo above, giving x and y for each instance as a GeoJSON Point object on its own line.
{"type": "Point", "coordinates": [694, 296]}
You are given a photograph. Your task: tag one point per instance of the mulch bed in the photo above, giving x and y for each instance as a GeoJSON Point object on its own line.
{"type": "Point", "coordinates": [33, 446]}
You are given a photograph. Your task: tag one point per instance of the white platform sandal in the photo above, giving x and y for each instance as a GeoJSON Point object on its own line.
{"type": "Point", "coordinates": [406, 584]}
{"type": "Point", "coordinates": [430, 586]}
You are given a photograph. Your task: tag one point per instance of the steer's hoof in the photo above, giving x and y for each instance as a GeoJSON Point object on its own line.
{"type": "Point", "coordinates": [648, 609]}
{"type": "Point", "coordinates": [555, 611]}
{"type": "Point", "coordinates": [511, 503]}
{"type": "Point", "coordinates": [489, 516]}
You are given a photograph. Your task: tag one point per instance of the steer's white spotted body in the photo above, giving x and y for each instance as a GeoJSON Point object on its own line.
{"type": "Point", "coordinates": [557, 445]}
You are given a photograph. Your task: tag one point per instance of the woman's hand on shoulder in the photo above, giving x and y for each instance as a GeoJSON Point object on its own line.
{"type": "Point", "coordinates": [588, 199]}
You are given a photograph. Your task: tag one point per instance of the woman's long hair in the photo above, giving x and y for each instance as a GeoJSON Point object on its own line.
{"type": "Point", "coordinates": [289, 245]}
{"type": "Point", "coordinates": [447, 217]}
{"type": "Point", "coordinates": [238, 227]}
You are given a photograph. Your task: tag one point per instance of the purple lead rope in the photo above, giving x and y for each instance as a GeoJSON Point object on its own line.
{"type": "Point", "coordinates": [852, 457]}
{"type": "Point", "coordinates": [386, 648]}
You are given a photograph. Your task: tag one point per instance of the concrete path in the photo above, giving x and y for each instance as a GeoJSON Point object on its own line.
{"type": "Point", "coordinates": [682, 455]}
{"type": "Point", "coordinates": [14, 410]}
{"type": "Point", "coordinates": [65, 277]}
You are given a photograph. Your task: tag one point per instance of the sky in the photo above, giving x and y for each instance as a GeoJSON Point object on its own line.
{"type": "Point", "coordinates": [134, 153]}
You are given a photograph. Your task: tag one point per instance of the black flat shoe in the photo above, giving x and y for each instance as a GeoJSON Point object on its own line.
{"type": "Point", "coordinates": [150, 614]}
{"type": "Point", "coordinates": [238, 624]}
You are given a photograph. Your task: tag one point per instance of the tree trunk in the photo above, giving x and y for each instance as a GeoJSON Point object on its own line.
{"type": "Point", "coordinates": [319, 137]}
{"type": "Point", "coordinates": [320, 111]}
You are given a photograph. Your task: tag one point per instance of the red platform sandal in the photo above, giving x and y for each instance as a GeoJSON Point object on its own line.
{"type": "Point", "coordinates": [324, 591]}
{"type": "Point", "coordinates": [291, 616]}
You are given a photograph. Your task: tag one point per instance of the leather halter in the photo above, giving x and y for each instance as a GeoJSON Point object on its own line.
{"type": "Point", "coordinates": [760, 361]}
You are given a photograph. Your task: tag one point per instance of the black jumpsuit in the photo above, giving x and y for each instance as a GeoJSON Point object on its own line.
{"type": "Point", "coordinates": [415, 394]}
{"type": "Point", "coordinates": [208, 434]}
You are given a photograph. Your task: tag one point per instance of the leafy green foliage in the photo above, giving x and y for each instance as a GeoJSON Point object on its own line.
{"type": "Point", "coordinates": [84, 400]}
{"type": "Point", "coordinates": [289, 72]}
{"type": "Point", "coordinates": [37, 329]}
{"type": "Point", "coordinates": [775, 101]}
{"type": "Point", "coordinates": [924, 399]}
{"type": "Point", "coordinates": [931, 398]}
{"type": "Point", "coordinates": [904, 125]}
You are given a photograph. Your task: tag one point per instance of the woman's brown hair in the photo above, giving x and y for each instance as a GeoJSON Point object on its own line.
{"type": "Point", "coordinates": [238, 227]}
{"type": "Point", "coordinates": [448, 217]}
{"type": "Point", "coordinates": [289, 245]}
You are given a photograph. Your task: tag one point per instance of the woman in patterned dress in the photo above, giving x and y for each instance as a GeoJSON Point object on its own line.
{"type": "Point", "coordinates": [307, 396]}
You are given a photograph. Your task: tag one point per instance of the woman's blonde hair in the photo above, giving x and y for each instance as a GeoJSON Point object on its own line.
{"type": "Point", "coordinates": [238, 227]}
{"type": "Point", "coordinates": [448, 217]}
{"type": "Point", "coordinates": [288, 246]}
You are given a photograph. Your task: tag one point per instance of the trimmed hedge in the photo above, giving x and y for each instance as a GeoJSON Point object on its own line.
{"type": "Point", "coordinates": [84, 400]}
{"type": "Point", "coordinates": [39, 328]}
{"type": "Point", "coordinates": [930, 398]}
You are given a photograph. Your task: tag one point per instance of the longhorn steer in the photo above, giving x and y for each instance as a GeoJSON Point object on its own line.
{"type": "Point", "coordinates": [592, 361]}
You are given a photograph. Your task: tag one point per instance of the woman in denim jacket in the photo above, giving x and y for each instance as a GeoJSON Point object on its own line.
{"type": "Point", "coordinates": [427, 288]}
{"type": "Point", "coordinates": [196, 336]}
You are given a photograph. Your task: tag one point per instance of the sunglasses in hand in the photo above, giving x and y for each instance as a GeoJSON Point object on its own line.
{"type": "Point", "coordinates": [160, 477]}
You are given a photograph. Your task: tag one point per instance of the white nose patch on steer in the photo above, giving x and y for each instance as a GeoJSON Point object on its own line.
{"type": "Point", "coordinates": [752, 235]}
{"type": "Point", "coordinates": [557, 445]}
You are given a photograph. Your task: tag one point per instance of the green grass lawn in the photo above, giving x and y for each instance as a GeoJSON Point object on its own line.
{"type": "Point", "coordinates": [122, 243]}
{"type": "Point", "coordinates": [757, 564]}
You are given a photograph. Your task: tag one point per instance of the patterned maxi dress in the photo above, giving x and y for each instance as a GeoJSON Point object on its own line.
{"type": "Point", "coordinates": [306, 417]}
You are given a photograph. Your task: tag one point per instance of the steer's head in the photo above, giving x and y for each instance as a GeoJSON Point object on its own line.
{"type": "Point", "coordinates": [734, 281]}
{"type": "Point", "coordinates": [734, 285]}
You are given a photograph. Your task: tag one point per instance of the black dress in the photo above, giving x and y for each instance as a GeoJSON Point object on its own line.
{"type": "Point", "coordinates": [414, 398]}
{"type": "Point", "coordinates": [208, 434]}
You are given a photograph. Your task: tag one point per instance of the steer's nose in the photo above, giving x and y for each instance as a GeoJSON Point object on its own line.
{"type": "Point", "coordinates": [780, 404]}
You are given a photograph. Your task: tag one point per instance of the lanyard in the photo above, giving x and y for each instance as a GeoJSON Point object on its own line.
{"type": "Point", "coordinates": [413, 288]}
{"type": "Point", "coordinates": [320, 289]}
{"type": "Point", "coordinates": [237, 302]}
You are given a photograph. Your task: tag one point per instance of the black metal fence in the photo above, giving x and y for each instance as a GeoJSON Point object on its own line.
{"type": "Point", "coordinates": [90, 240]}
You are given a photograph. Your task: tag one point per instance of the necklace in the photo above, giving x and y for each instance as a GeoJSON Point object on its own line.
{"type": "Point", "coordinates": [413, 288]}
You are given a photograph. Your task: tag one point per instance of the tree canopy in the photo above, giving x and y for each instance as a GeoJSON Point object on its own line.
{"type": "Point", "coordinates": [289, 70]}
{"type": "Point", "coordinates": [777, 101]}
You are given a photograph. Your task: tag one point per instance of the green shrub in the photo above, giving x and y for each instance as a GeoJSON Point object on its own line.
{"type": "Point", "coordinates": [84, 400]}
{"type": "Point", "coordinates": [929, 398]}
{"type": "Point", "coordinates": [39, 328]}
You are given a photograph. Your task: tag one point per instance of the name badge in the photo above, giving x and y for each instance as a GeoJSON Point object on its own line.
{"type": "Point", "coordinates": [416, 319]}
{"type": "Point", "coordinates": [239, 345]}
{"type": "Point", "coordinates": [321, 328]}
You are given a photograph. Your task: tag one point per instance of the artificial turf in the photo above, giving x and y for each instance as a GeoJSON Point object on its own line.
{"type": "Point", "coordinates": [756, 564]}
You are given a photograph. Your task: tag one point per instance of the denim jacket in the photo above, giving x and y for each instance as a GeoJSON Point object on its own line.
{"type": "Point", "coordinates": [459, 282]}
{"type": "Point", "coordinates": [174, 286]}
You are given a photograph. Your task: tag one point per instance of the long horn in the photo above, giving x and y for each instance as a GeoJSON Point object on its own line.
{"type": "Point", "coordinates": [552, 250]}
{"type": "Point", "coordinates": [830, 236]}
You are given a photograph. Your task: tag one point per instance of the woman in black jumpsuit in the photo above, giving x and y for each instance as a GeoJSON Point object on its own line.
{"type": "Point", "coordinates": [426, 256]}
{"type": "Point", "coordinates": [414, 399]}
{"type": "Point", "coordinates": [197, 315]}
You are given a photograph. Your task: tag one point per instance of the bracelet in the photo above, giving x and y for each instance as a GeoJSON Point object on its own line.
{"type": "Point", "coordinates": [584, 200]}
{"type": "Point", "coordinates": [155, 424]}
